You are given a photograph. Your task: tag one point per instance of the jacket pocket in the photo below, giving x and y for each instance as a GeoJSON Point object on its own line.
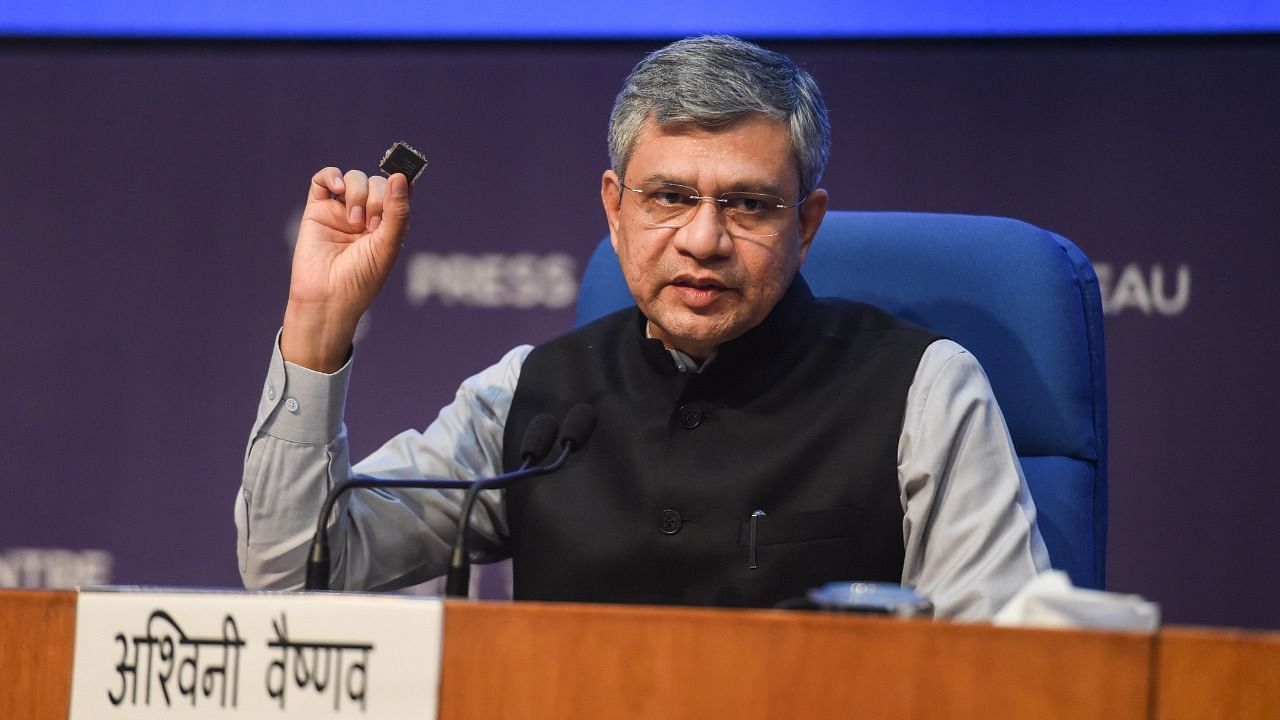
{"type": "Point", "coordinates": [783, 528]}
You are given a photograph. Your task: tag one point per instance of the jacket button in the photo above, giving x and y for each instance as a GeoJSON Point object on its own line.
{"type": "Point", "coordinates": [690, 416]}
{"type": "Point", "coordinates": [670, 522]}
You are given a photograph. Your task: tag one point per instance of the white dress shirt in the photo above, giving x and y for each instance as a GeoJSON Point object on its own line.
{"type": "Point", "coordinates": [968, 524]}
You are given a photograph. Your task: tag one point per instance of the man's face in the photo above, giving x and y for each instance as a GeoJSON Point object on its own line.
{"type": "Point", "coordinates": [701, 285]}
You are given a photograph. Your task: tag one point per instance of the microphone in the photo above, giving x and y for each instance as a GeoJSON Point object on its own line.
{"type": "Point", "coordinates": [578, 424]}
{"type": "Point", "coordinates": [538, 439]}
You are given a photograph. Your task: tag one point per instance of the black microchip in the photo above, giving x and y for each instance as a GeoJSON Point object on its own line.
{"type": "Point", "coordinates": [402, 158]}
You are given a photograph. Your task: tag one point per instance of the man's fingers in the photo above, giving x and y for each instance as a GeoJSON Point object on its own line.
{"type": "Point", "coordinates": [325, 184]}
{"type": "Point", "coordinates": [326, 199]}
{"type": "Point", "coordinates": [377, 196]}
{"type": "Point", "coordinates": [354, 202]}
{"type": "Point", "coordinates": [355, 197]}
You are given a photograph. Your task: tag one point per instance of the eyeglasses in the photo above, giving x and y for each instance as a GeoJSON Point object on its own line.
{"type": "Point", "coordinates": [668, 205]}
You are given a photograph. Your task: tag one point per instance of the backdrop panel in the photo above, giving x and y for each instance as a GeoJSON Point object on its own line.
{"type": "Point", "coordinates": [151, 191]}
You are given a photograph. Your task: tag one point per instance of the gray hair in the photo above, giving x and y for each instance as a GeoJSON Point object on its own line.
{"type": "Point", "coordinates": [713, 80]}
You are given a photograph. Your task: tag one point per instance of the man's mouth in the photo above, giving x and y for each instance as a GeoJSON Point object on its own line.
{"type": "Point", "coordinates": [698, 292]}
{"type": "Point", "coordinates": [698, 284]}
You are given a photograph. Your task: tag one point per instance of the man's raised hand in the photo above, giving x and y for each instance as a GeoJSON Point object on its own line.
{"type": "Point", "coordinates": [351, 232]}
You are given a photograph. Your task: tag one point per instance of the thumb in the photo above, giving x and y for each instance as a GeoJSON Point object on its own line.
{"type": "Point", "coordinates": [395, 210]}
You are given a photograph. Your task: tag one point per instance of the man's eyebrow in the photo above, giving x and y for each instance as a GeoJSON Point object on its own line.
{"type": "Point", "coordinates": [759, 188]}
{"type": "Point", "coordinates": [747, 186]}
{"type": "Point", "coordinates": [666, 180]}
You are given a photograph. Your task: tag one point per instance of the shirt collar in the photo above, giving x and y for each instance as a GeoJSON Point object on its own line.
{"type": "Point", "coordinates": [768, 339]}
{"type": "Point", "coordinates": [685, 363]}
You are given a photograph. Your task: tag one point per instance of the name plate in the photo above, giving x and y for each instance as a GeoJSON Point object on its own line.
{"type": "Point", "coordinates": [255, 655]}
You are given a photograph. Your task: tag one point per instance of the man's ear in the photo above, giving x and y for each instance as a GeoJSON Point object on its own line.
{"type": "Point", "coordinates": [811, 215]}
{"type": "Point", "coordinates": [611, 199]}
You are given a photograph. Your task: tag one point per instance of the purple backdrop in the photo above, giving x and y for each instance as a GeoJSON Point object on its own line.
{"type": "Point", "coordinates": [150, 189]}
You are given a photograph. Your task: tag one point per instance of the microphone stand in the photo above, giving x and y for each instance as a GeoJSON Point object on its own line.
{"type": "Point", "coordinates": [578, 425]}
{"type": "Point", "coordinates": [458, 581]}
{"type": "Point", "coordinates": [318, 562]}
{"type": "Point", "coordinates": [318, 557]}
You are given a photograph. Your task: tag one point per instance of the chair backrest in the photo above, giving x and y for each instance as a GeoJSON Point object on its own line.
{"type": "Point", "coordinates": [1024, 300]}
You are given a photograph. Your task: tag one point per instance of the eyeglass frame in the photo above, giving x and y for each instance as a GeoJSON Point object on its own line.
{"type": "Point", "coordinates": [721, 201]}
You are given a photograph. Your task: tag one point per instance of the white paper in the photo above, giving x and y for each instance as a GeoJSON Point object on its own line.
{"type": "Point", "coordinates": [1050, 600]}
{"type": "Point", "coordinates": [175, 654]}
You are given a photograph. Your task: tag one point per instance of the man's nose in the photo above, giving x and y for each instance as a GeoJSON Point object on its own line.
{"type": "Point", "coordinates": [705, 236]}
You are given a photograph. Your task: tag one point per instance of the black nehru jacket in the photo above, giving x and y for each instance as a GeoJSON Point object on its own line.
{"type": "Point", "coordinates": [799, 418]}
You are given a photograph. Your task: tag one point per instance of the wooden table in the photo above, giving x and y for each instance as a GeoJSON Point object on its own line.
{"type": "Point", "coordinates": [534, 660]}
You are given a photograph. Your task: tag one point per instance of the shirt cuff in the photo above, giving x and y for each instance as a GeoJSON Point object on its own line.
{"type": "Point", "coordinates": [302, 405]}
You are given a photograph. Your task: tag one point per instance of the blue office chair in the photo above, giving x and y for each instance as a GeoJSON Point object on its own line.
{"type": "Point", "coordinates": [1024, 300]}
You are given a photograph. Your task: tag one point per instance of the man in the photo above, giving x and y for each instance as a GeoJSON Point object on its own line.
{"type": "Point", "coordinates": [858, 447]}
